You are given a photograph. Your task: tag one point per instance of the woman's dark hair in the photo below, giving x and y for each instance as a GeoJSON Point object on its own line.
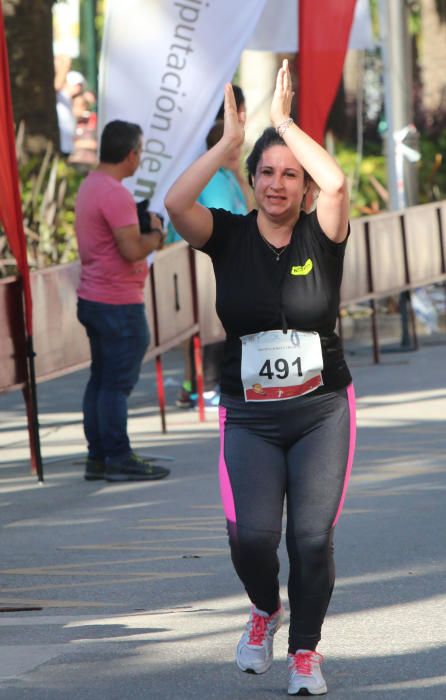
{"type": "Point", "coordinates": [269, 138]}
{"type": "Point", "coordinates": [117, 140]}
{"type": "Point", "coordinates": [239, 101]}
{"type": "Point", "coordinates": [215, 133]}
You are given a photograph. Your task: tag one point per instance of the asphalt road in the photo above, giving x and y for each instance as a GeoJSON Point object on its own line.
{"type": "Point", "coordinates": [126, 592]}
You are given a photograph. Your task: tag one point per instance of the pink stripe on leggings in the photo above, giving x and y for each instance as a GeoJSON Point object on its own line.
{"type": "Point", "coordinates": [351, 449]}
{"type": "Point", "coordinates": [225, 485]}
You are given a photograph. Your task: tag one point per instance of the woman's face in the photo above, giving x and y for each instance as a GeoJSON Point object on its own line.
{"type": "Point", "coordinates": [279, 184]}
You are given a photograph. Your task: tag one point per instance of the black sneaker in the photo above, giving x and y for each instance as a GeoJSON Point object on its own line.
{"type": "Point", "coordinates": [94, 469]}
{"type": "Point", "coordinates": [135, 468]}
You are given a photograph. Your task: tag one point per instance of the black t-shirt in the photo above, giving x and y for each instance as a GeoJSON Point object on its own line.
{"type": "Point", "coordinates": [256, 292]}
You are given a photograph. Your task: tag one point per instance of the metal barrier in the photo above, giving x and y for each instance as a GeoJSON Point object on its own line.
{"type": "Point", "coordinates": [60, 343]}
{"type": "Point", "coordinates": [211, 330]}
{"type": "Point", "coordinates": [173, 313]}
{"type": "Point", "coordinates": [13, 373]}
{"type": "Point", "coordinates": [387, 254]}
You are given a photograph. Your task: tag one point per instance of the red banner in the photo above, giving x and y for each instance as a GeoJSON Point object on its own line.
{"type": "Point", "coordinates": [10, 202]}
{"type": "Point", "coordinates": [324, 30]}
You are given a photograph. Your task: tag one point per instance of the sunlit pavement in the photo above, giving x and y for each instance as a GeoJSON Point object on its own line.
{"type": "Point", "coordinates": [126, 591]}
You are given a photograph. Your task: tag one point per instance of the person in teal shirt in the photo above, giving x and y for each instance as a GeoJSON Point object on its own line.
{"type": "Point", "coordinates": [222, 192]}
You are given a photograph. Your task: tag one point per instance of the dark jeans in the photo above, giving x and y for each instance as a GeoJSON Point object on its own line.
{"type": "Point", "coordinates": [119, 337]}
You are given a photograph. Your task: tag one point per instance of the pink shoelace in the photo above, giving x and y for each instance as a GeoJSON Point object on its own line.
{"type": "Point", "coordinates": [258, 629]}
{"type": "Point", "coordinates": [303, 662]}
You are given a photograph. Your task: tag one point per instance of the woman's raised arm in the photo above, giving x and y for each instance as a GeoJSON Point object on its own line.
{"type": "Point", "coordinates": [333, 200]}
{"type": "Point", "coordinates": [193, 221]}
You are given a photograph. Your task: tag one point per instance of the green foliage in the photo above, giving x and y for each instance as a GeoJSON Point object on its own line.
{"type": "Point", "coordinates": [413, 16]}
{"type": "Point", "coordinates": [432, 168]}
{"type": "Point", "coordinates": [367, 180]}
{"type": "Point", "coordinates": [368, 176]}
{"type": "Point", "coordinates": [48, 188]}
{"type": "Point", "coordinates": [100, 20]}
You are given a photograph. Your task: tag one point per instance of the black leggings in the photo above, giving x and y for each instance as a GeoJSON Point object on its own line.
{"type": "Point", "coordinates": [302, 449]}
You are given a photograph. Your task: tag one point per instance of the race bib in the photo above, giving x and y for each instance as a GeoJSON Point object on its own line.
{"type": "Point", "coordinates": [278, 366]}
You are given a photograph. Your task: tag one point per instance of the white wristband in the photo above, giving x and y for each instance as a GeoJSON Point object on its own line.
{"type": "Point", "coordinates": [283, 126]}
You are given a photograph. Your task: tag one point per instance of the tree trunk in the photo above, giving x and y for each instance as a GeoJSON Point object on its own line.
{"type": "Point", "coordinates": [29, 36]}
{"type": "Point", "coordinates": [433, 60]}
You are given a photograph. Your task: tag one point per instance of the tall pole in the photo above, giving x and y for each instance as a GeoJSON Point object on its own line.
{"type": "Point", "coordinates": [397, 73]}
{"type": "Point", "coordinates": [401, 136]}
{"type": "Point", "coordinates": [90, 45]}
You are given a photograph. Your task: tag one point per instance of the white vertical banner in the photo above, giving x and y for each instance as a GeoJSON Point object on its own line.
{"type": "Point", "coordinates": [164, 64]}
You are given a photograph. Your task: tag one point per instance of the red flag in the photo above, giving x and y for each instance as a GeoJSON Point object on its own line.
{"type": "Point", "coordinates": [324, 30]}
{"type": "Point", "coordinates": [10, 202]}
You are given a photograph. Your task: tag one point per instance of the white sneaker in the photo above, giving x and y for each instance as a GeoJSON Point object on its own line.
{"type": "Point", "coordinates": [304, 673]}
{"type": "Point", "coordinates": [255, 648]}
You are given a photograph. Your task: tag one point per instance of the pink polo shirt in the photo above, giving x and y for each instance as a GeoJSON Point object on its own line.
{"type": "Point", "coordinates": [103, 204]}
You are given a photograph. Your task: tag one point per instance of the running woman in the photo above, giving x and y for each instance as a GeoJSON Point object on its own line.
{"type": "Point", "coordinates": [287, 411]}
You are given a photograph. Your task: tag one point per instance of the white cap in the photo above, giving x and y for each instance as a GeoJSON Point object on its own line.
{"type": "Point", "coordinates": [75, 78]}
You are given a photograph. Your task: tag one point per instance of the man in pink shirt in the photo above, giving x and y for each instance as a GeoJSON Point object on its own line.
{"type": "Point", "coordinates": [113, 254]}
